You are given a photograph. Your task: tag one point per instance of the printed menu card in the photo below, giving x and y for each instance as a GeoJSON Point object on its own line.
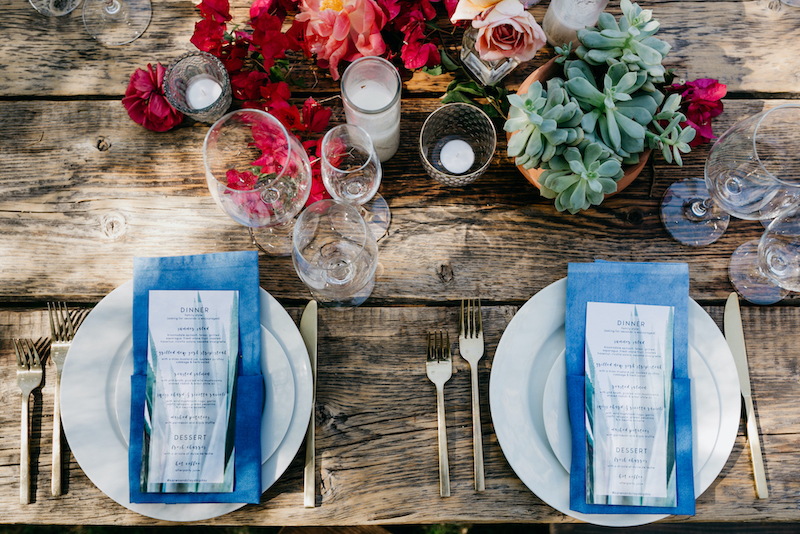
{"type": "Point", "coordinates": [197, 388]}
{"type": "Point", "coordinates": [191, 367]}
{"type": "Point", "coordinates": [629, 397]}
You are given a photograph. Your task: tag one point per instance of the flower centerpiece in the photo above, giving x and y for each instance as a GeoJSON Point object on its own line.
{"type": "Point", "coordinates": [605, 110]}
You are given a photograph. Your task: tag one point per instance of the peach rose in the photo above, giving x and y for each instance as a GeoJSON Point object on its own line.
{"type": "Point", "coordinates": [507, 30]}
{"type": "Point", "coordinates": [342, 30]}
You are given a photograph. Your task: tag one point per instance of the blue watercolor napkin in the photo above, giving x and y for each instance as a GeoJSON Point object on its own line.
{"type": "Point", "coordinates": [665, 284]}
{"type": "Point", "coordinates": [225, 271]}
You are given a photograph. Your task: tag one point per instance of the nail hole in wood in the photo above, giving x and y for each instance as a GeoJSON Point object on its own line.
{"type": "Point", "coordinates": [445, 272]}
{"type": "Point", "coordinates": [103, 144]}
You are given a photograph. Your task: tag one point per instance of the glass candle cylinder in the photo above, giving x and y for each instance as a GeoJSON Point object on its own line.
{"type": "Point", "coordinates": [197, 84]}
{"type": "Point", "coordinates": [564, 18]}
{"type": "Point", "coordinates": [371, 95]}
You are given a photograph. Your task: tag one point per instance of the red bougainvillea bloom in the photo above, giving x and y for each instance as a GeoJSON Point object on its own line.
{"type": "Point", "coordinates": [702, 101]}
{"type": "Point", "coordinates": [145, 102]}
{"type": "Point", "coordinates": [342, 30]}
{"type": "Point", "coordinates": [216, 10]}
{"type": "Point", "coordinates": [208, 35]}
{"type": "Point", "coordinates": [268, 38]}
{"type": "Point", "coordinates": [316, 117]}
{"type": "Point", "coordinates": [318, 191]}
{"type": "Point", "coordinates": [290, 118]}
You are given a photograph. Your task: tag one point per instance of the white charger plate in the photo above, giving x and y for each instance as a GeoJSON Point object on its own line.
{"type": "Point", "coordinates": [524, 364]}
{"type": "Point", "coordinates": [95, 400]}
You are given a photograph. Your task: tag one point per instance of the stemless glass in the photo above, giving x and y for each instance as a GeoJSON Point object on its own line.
{"type": "Point", "coordinates": [352, 173]}
{"type": "Point", "coordinates": [116, 22]}
{"type": "Point", "coordinates": [259, 174]}
{"type": "Point", "coordinates": [750, 173]}
{"type": "Point", "coordinates": [335, 254]}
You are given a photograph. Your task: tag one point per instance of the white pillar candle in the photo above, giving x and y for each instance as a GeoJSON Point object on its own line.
{"type": "Point", "coordinates": [457, 156]}
{"type": "Point", "coordinates": [202, 91]}
{"type": "Point", "coordinates": [371, 95]}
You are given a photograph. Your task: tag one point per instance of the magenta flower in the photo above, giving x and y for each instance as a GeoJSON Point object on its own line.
{"type": "Point", "coordinates": [702, 101]}
{"type": "Point", "coordinates": [144, 99]}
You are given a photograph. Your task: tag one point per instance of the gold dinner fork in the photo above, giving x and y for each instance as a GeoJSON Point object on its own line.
{"type": "Point", "coordinates": [29, 377]}
{"type": "Point", "coordinates": [470, 345]}
{"type": "Point", "coordinates": [62, 329]}
{"type": "Point", "coordinates": [439, 366]}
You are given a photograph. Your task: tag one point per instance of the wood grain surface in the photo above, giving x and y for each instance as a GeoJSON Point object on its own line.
{"type": "Point", "coordinates": [77, 203]}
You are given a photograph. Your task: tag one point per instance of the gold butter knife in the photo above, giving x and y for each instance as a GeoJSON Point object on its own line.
{"type": "Point", "coordinates": [735, 337]}
{"type": "Point", "coordinates": [308, 329]}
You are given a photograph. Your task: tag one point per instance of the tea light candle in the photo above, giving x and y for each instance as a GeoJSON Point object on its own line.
{"type": "Point", "coordinates": [457, 156]}
{"type": "Point", "coordinates": [202, 91]}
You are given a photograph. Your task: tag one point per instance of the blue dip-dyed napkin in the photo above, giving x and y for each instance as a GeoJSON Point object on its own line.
{"type": "Point", "coordinates": [665, 284]}
{"type": "Point", "coordinates": [235, 271]}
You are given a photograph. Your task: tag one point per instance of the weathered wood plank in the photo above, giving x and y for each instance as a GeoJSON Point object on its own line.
{"type": "Point", "coordinates": [376, 433]}
{"type": "Point", "coordinates": [77, 204]}
{"type": "Point", "coordinates": [744, 44]}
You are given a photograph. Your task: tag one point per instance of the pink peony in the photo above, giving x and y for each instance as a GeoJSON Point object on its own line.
{"type": "Point", "coordinates": [342, 30]}
{"type": "Point", "coordinates": [145, 102]}
{"type": "Point", "coordinates": [507, 30]}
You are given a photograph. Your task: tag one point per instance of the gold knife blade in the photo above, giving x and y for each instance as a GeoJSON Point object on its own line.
{"type": "Point", "coordinates": [734, 335]}
{"type": "Point", "coordinates": [308, 329]}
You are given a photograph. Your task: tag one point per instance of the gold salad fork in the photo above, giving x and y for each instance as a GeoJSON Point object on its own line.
{"type": "Point", "coordinates": [62, 329]}
{"type": "Point", "coordinates": [470, 345]}
{"type": "Point", "coordinates": [29, 377]}
{"type": "Point", "coordinates": [439, 366]}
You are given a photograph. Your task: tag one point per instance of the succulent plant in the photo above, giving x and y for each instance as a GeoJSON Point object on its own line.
{"type": "Point", "coordinates": [630, 41]}
{"type": "Point", "coordinates": [544, 122]}
{"type": "Point", "coordinates": [621, 112]}
{"type": "Point", "coordinates": [578, 180]}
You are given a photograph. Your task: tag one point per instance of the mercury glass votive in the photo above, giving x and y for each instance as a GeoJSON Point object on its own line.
{"type": "Point", "coordinates": [197, 84]}
{"type": "Point", "coordinates": [457, 143]}
{"type": "Point", "coordinates": [371, 89]}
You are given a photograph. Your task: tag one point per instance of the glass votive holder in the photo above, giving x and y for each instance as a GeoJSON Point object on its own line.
{"type": "Point", "coordinates": [197, 84]}
{"type": "Point", "coordinates": [371, 88]}
{"type": "Point", "coordinates": [335, 254]}
{"type": "Point", "coordinates": [457, 143]}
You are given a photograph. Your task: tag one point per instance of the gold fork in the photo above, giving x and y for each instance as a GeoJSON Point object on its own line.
{"type": "Point", "coordinates": [62, 329]}
{"type": "Point", "coordinates": [470, 345]}
{"type": "Point", "coordinates": [29, 377]}
{"type": "Point", "coordinates": [439, 367]}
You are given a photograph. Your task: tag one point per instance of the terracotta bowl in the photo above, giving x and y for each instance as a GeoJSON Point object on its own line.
{"type": "Point", "coordinates": [542, 74]}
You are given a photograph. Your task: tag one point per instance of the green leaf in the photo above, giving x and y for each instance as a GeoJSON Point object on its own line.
{"type": "Point", "coordinates": [455, 96]}
{"type": "Point", "coordinates": [433, 71]}
{"type": "Point", "coordinates": [447, 61]}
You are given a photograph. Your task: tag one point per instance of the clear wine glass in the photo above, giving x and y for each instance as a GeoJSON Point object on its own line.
{"type": "Point", "coordinates": [55, 8]}
{"type": "Point", "coordinates": [259, 174]}
{"type": "Point", "coordinates": [750, 173]}
{"type": "Point", "coordinates": [352, 173]}
{"type": "Point", "coordinates": [116, 22]}
{"type": "Point", "coordinates": [335, 253]}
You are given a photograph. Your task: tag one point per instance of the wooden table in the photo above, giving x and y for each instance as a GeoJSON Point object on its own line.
{"type": "Point", "coordinates": [83, 190]}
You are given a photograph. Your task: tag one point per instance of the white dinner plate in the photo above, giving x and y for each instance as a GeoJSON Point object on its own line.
{"type": "Point", "coordinates": [95, 400]}
{"type": "Point", "coordinates": [527, 357]}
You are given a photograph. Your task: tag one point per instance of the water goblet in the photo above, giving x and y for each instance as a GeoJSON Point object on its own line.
{"type": "Point", "coordinates": [352, 173]}
{"type": "Point", "coordinates": [116, 22]}
{"type": "Point", "coordinates": [259, 174]}
{"type": "Point", "coordinates": [750, 173]}
{"type": "Point", "coordinates": [335, 253]}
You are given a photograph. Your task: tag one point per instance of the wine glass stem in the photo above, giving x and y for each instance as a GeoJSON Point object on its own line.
{"type": "Point", "coordinates": [112, 7]}
{"type": "Point", "coordinates": [697, 209]}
